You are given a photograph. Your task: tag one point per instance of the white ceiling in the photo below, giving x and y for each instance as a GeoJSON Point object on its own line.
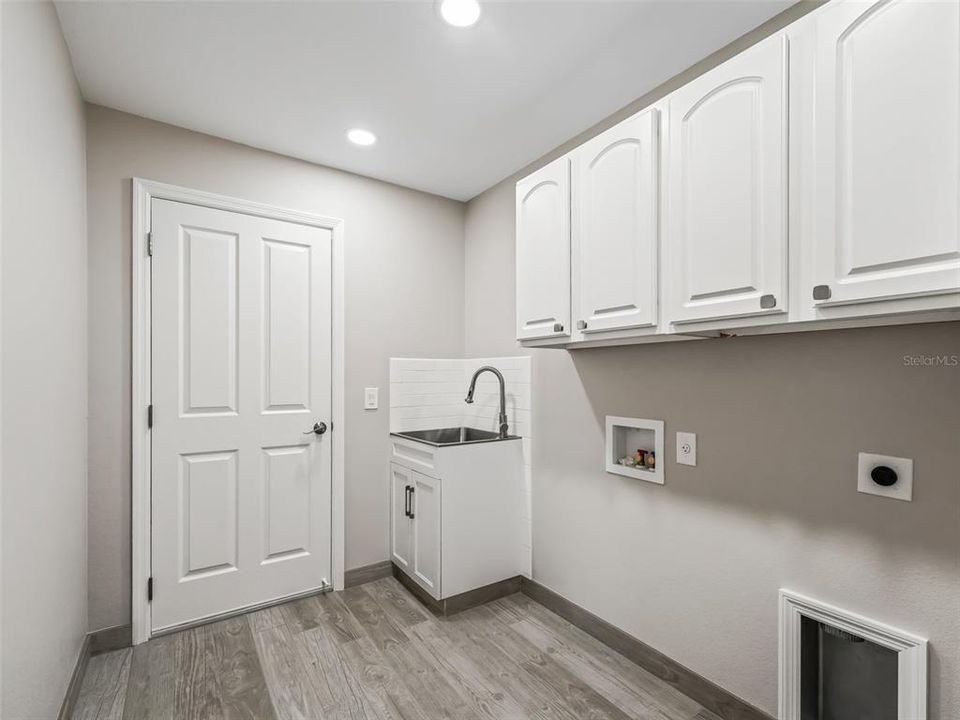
{"type": "Point", "coordinates": [456, 110]}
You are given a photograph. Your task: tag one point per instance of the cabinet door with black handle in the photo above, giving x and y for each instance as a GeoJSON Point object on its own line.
{"type": "Point", "coordinates": [401, 526]}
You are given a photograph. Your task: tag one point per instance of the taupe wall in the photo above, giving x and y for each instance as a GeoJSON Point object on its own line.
{"type": "Point", "coordinates": [490, 298]}
{"type": "Point", "coordinates": [404, 259]}
{"type": "Point", "coordinates": [44, 361]}
{"type": "Point", "coordinates": [693, 567]}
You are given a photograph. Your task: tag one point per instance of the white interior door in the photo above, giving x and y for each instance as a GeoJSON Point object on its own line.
{"type": "Point", "coordinates": [887, 151]}
{"type": "Point", "coordinates": [726, 239]}
{"type": "Point", "coordinates": [241, 362]}
{"type": "Point", "coordinates": [616, 226]}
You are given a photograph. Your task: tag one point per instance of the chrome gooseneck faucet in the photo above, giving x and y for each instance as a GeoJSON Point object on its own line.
{"type": "Point", "coordinates": [502, 417]}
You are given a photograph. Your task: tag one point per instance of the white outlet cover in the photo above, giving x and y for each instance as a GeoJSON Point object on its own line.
{"type": "Point", "coordinates": [371, 398]}
{"type": "Point", "coordinates": [687, 448]}
{"type": "Point", "coordinates": [902, 489]}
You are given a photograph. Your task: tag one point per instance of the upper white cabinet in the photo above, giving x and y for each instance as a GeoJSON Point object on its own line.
{"type": "Point", "coordinates": [811, 181]}
{"type": "Point", "coordinates": [887, 155]}
{"type": "Point", "coordinates": [543, 253]}
{"type": "Point", "coordinates": [615, 198]}
{"type": "Point", "coordinates": [725, 241]}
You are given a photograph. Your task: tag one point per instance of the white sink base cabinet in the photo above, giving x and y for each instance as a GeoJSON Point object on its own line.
{"type": "Point", "coordinates": [466, 505]}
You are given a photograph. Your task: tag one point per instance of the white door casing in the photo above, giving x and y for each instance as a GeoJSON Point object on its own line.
{"type": "Point", "coordinates": [616, 226]}
{"type": "Point", "coordinates": [725, 240]}
{"type": "Point", "coordinates": [911, 652]}
{"type": "Point", "coordinates": [241, 367]}
{"type": "Point", "coordinates": [887, 158]}
{"type": "Point", "coordinates": [543, 253]}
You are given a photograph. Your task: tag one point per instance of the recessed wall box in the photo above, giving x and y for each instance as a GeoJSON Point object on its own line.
{"type": "Point", "coordinates": [625, 437]}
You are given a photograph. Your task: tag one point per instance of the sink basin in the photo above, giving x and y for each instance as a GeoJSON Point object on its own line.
{"type": "Point", "coordinates": [453, 436]}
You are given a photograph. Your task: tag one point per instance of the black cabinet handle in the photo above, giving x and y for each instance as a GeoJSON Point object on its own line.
{"type": "Point", "coordinates": [412, 490]}
{"type": "Point", "coordinates": [406, 501]}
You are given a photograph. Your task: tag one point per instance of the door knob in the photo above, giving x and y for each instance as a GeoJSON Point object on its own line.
{"type": "Point", "coordinates": [319, 428]}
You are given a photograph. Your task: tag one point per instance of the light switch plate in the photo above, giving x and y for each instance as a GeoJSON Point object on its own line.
{"type": "Point", "coordinates": [371, 399]}
{"type": "Point", "coordinates": [687, 448]}
{"type": "Point", "coordinates": [902, 489]}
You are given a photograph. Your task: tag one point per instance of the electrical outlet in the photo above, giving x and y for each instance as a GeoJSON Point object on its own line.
{"type": "Point", "coordinates": [371, 400]}
{"type": "Point", "coordinates": [686, 448]}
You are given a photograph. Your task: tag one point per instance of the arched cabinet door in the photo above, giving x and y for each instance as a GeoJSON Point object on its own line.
{"type": "Point", "coordinates": [887, 158]}
{"type": "Point", "coordinates": [543, 253]}
{"type": "Point", "coordinates": [725, 242]}
{"type": "Point", "coordinates": [616, 227]}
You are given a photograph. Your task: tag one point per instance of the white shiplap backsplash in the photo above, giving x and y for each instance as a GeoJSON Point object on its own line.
{"type": "Point", "coordinates": [429, 393]}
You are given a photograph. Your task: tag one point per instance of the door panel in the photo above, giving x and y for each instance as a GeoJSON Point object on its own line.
{"type": "Point", "coordinates": [401, 526]}
{"type": "Point", "coordinates": [208, 531]}
{"type": "Point", "coordinates": [286, 313]}
{"type": "Point", "coordinates": [888, 154]}
{"type": "Point", "coordinates": [241, 368]}
{"type": "Point", "coordinates": [209, 349]}
{"type": "Point", "coordinates": [286, 498]}
{"type": "Point", "coordinates": [543, 253]}
{"type": "Point", "coordinates": [426, 533]}
{"type": "Point", "coordinates": [726, 238]}
{"type": "Point", "coordinates": [615, 229]}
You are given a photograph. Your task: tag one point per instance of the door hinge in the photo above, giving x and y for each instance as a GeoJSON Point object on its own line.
{"type": "Point", "coordinates": [149, 416]}
{"type": "Point", "coordinates": [150, 244]}
{"type": "Point", "coordinates": [150, 589]}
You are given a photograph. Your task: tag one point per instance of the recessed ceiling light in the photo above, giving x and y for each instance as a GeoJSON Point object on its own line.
{"type": "Point", "coordinates": [361, 137]}
{"type": "Point", "coordinates": [460, 13]}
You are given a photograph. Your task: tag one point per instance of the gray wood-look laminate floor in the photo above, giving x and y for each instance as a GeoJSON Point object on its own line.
{"type": "Point", "coordinates": [373, 652]}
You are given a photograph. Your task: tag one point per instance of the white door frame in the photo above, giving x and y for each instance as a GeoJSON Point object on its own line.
{"type": "Point", "coordinates": [911, 653]}
{"type": "Point", "coordinates": [144, 192]}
